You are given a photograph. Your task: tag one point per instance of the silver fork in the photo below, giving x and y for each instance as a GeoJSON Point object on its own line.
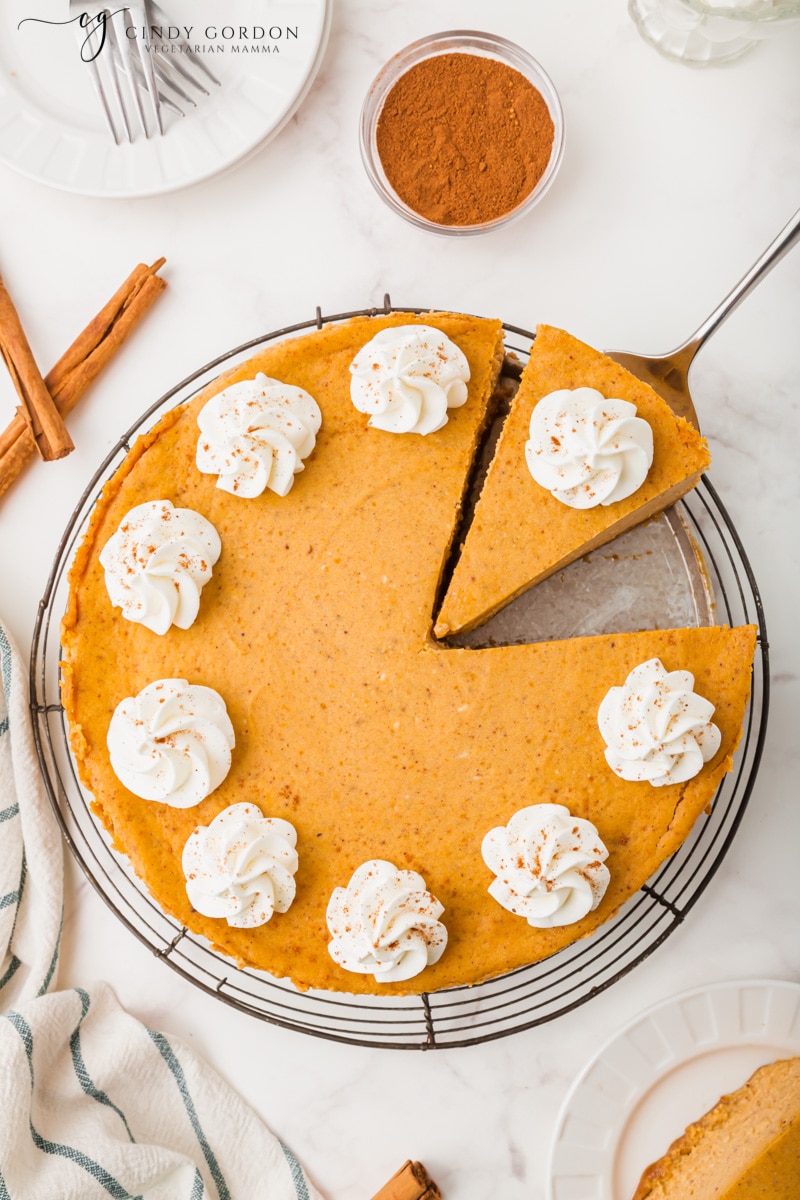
{"type": "Point", "coordinates": [176, 64]}
{"type": "Point", "coordinates": [120, 47]}
{"type": "Point", "coordinates": [115, 46]}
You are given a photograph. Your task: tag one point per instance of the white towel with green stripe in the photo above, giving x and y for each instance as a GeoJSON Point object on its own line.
{"type": "Point", "coordinates": [95, 1105]}
{"type": "Point", "coordinates": [92, 1103]}
{"type": "Point", "coordinates": [31, 873]}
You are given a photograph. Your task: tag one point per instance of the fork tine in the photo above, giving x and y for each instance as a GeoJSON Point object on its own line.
{"type": "Point", "coordinates": [176, 87]}
{"type": "Point", "coordinates": [159, 13]}
{"type": "Point", "coordinates": [166, 71]}
{"type": "Point", "coordinates": [141, 79]}
{"type": "Point", "coordinates": [177, 66]}
{"type": "Point", "coordinates": [145, 60]}
{"type": "Point", "coordinates": [102, 57]}
{"type": "Point", "coordinates": [163, 98]}
{"type": "Point", "coordinates": [97, 84]}
{"type": "Point", "coordinates": [169, 103]}
{"type": "Point", "coordinates": [122, 52]}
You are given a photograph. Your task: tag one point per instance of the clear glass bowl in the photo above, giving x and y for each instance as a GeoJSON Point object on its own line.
{"type": "Point", "coordinates": [701, 34]}
{"type": "Point", "coordinates": [464, 42]}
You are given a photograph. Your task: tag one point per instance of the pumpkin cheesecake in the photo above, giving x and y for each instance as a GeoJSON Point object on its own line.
{"type": "Point", "coordinates": [747, 1147]}
{"type": "Point", "coordinates": [502, 555]}
{"type": "Point", "coordinates": [351, 741]}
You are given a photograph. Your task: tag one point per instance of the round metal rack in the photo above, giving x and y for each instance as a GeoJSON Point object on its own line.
{"type": "Point", "coordinates": [459, 1016]}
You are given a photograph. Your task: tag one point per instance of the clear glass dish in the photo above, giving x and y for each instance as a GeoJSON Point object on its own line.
{"type": "Point", "coordinates": [464, 42]}
{"type": "Point", "coordinates": [701, 34]}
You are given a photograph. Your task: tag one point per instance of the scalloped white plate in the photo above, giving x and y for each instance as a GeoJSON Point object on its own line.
{"type": "Point", "coordinates": [662, 1071]}
{"type": "Point", "coordinates": [51, 124]}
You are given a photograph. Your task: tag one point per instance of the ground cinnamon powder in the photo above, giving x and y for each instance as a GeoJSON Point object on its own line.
{"type": "Point", "coordinates": [463, 139]}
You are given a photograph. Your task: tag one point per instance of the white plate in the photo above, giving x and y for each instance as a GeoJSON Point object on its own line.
{"type": "Point", "coordinates": [661, 1072]}
{"type": "Point", "coordinates": [52, 127]}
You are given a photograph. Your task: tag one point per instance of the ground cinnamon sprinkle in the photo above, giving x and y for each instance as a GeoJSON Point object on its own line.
{"type": "Point", "coordinates": [463, 139]}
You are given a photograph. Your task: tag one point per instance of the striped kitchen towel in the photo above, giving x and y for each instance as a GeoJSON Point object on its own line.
{"type": "Point", "coordinates": [95, 1105]}
{"type": "Point", "coordinates": [92, 1103]}
{"type": "Point", "coordinates": [31, 878]}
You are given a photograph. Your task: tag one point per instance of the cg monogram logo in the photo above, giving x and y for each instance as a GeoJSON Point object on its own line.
{"type": "Point", "coordinates": [96, 28]}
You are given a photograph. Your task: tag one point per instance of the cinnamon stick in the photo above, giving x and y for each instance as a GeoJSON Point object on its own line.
{"type": "Point", "coordinates": [77, 369]}
{"type": "Point", "coordinates": [411, 1182]}
{"type": "Point", "coordinates": [99, 341]}
{"type": "Point", "coordinates": [37, 410]}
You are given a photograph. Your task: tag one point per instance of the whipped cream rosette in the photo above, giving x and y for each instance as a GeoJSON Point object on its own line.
{"type": "Point", "coordinates": [157, 563]}
{"type": "Point", "coordinates": [385, 923]}
{"type": "Point", "coordinates": [588, 450]}
{"type": "Point", "coordinates": [550, 866]}
{"type": "Point", "coordinates": [656, 727]}
{"type": "Point", "coordinates": [172, 742]}
{"type": "Point", "coordinates": [407, 377]}
{"type": "Point", "coordinates": [255, 434]}
{"type": "Point", "coordinates": [241, 866]}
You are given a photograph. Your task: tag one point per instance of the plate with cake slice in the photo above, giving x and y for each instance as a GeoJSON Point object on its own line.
{"type": "Point", "coordinates": [315, 764]}
{"type": "Point", "coordinates": [697, 1097]}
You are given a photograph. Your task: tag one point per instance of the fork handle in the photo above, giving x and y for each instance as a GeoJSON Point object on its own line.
{"type": "Point", "coordinates": [783, 243]}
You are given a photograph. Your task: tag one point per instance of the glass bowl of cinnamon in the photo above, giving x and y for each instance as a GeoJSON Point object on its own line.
{"type": "Point", "coordinates": [462, 132]}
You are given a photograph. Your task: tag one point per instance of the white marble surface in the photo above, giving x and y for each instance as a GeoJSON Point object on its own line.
{"type": "Point", "coordinates": [673, 182]}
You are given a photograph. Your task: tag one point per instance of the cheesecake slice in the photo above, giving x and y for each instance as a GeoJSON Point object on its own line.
{"type": "Point", "coordinates": [521, 533]}
{"type": "Point", "coordinates": [745, 1148]}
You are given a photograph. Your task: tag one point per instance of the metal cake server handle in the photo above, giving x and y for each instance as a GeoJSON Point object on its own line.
{"type": "Point", "coordinates": [668, 374]}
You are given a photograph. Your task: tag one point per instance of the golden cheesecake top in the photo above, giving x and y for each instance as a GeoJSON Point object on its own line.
{"type": "Point", "coordinates": [351, 722]}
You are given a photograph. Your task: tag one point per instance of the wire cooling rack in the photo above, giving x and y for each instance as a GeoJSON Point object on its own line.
{"type": "Point", "coordinates": [457, 1016]}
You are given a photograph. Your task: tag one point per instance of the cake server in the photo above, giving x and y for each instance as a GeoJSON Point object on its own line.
{"type": "Point", "coordinates": [668, 374]}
